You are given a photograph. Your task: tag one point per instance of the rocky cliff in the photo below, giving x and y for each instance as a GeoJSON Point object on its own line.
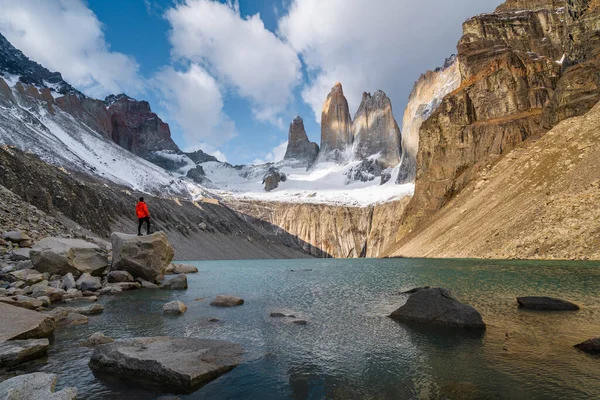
{"type": "Point", "coordinates": [327, 230]}
{"type": "Point", "coordinates": [540, 201]}
{"type": "Point", "coordinates": [425, 98]}
{"type": "Point", "coordinates": [375, 130]}
{"type": "Point", "coordinates": [299, 148]}
{"type": "Point", "coordinates": [336, 126]}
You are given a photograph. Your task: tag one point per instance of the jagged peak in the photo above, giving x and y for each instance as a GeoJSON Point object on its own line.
{"type": "Point", "coordinates": [297, 119]}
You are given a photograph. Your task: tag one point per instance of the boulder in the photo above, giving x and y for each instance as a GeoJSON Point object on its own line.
{"type": "Point", "coordinates": [142, 256]}
{"type": "Point", "coordinates": [119, 276]}
{"type": "Point", "coordinates": [174, 307]}
{"type": "Point", "coordinates": [25, 324]}
{"type": "Point", "coordinates": [591, 346]}
{"type": "Point", "coordinates": [272, 178]}
{"type": "Point", "coordinates": [22, 301]}
{"type": "Point", "coordinates": [176, 282]}
{"type": "Point", "coordinates": [17, 237]}
{"type": "Point", "coordinates": [183, 364]}
{"type": "Point", "coordinates": [437, 306]}
{"type": "Point", "coordinates": [93, 309]}
{"type": "Point", "coordinates": [540, 303]}
{"type": "Point", "coordinates": [88, 282]}
{"type": "Point", "coordinates": [227, 301]}
{"type": "Point", "coordinates": [61, 256]}
{"type": "Point", "coordinates": [14, 352]}
{"type": "Point", "coordinates": [67, 317]}
{"type": "Point", "coordinates": [30, 276]}
{"type": "Point", "coordinates": [19, 254]}
{"type": "Point", "coordinates": [182, 269]}
{"type": "Point", "coordinates": [97, 339]}
{"type": "Point", "coordinates": [37, 385]}
{"type": "Point", "coordinates": [68, 282]}
{"type": "Point", "coordinates": [147, 285]}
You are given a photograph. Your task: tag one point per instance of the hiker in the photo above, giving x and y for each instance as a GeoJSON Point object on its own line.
{"type": "Point", "coordinates": [141, 209]}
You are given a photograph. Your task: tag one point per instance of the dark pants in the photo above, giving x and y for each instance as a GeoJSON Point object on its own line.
{"type": "Point", "coordinates": [141, 222]}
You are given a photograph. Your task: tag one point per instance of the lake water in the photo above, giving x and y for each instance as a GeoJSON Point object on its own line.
{"type": "Point", "coordinates": [350, 349]}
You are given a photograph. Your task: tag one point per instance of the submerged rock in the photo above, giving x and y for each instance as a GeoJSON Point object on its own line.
{"type": "Point", "coordinates": [37, 385]}
{"type": "Point", "coordinates": [143, 257]}
{"type": "Point", "coordinates": [180, 363]}
{"type": "Point", "coordinates": [15, 352]}
{"type": "Point", "coordinates": [546, 304]}
{"type": "Point", "coordinates": [97, 339]}
{"type": "Point", "coordinates": [227, 301]}
{"type": "Point", "coordinates": [182, 269]}
{"type": "Point", "coordinates": [174, 307]}
{"type": "Point", "coordinates": [591, 346]}
{"type": "Point", "coordinates": [437, 306]}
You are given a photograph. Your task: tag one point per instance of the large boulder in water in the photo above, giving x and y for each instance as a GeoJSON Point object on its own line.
{"type": "Point", "coordinates": [183, 363]}
{"type": "Point", "coordinates": [541, 303]}
{"type": "Point", "coordinates": [143, 257]}
{"type": "Point", "coordinates": [437, 306]}
{"type": "Point", "coordinates": [37, 385]}
{"type": "Point", "coordinates": [60, 256]}
{"type": "Point", "coordinates": [24, 324]}
{"type": "Point", "coordinates": [15, 352]}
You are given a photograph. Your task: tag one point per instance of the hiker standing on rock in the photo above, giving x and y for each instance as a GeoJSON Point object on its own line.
{"type": "Point", "coordinates": [141, 209]}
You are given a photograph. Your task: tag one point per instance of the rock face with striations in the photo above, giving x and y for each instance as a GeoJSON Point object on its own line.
{"type": "Point", "coordinates": [336, 125]}
{"type": "Point", "coordinates": [375, 130]}
{"type": "Point", "coordinates": [299, 147]}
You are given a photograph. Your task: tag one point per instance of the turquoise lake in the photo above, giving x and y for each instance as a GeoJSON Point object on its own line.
{"type": "Point", "coordinates": [350, 349]}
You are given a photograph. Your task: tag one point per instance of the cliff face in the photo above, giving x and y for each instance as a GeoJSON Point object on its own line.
{"type": "Point", "coordinates": [425, 98]}
{"type": "Point", "coordinates": [299, 148]}
{"type": "Point", "coordinates": [540, 201]}
{"type": "Point", "coordinates": [327, 230]}
{"type": "Point", "coordinates": [375, 130]}
{"type": "Point", "coordinates": [336, 125]}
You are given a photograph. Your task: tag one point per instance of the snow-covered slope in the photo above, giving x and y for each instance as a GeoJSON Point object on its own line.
{"type": "Point", "coordinates": [63, 140]}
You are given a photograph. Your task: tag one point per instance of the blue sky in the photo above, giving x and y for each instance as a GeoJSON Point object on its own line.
{"type": "Point", "coordinates": [230, 76]}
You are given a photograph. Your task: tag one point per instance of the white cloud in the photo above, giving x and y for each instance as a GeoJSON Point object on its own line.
{"type": "Point", "coordinates": [193, 100]}
{"type": "Point", "coordinates": [276, 154]}
{"type": "Point", "coordinates": [239, 52]}
{"type": "Point", "coordinates": [66, 36]}
{"type": "Point", "coordinates": [373, 44]}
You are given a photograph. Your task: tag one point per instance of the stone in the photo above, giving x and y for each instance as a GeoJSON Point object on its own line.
{"type": "Point", "coordinates": [176, 282]}
{"type": "Point", "coordinates": [277, 315]}
{"type": "Point", "coordinates": [54, 295]}
{"type": "Point", "coordinates": [299, 148]}
{"type": "Point", "coordinates": [46, 302]}
{"type": "Point", "coordinates": [591, 346]}
{"type": "Point", "coordinates": [88, 282]}
{"type": "Point", "coordinates": [37, 385]}
{"type": "Point", "coordinates": [174, 307]}
{"type": "Point", "coordinates": [30, 276]}
{"type": "Point", "coordinates": [25, 324]}
{"type": "Point", "coordinates": [300, 322]}
{"type": "Point", "coordinates": [545, 304]}
{"type": "Point", "coordinates": [227, 301]}
{"type": "Point", "coordinates": [119, 276]}
{"type": "Point", "coordinates": [61, 256]}
{"type": "Point", "coordinates": [22, 301]}
{"type": "Point", "coordinates": [183, 364]}
{"type": "Point", "coordinates": [143, 257]}
{"type": "Point", "coordinates": [15, 352]}
{"type": "Point", "coordinates": [376, 132]}
{"type": "Point", "coordinates": [67, 317]}
{"type": "Point", "coordinates": [97, 339]}
{"type": "Point", "coordinates": [147, 285]}
{"type": "Point", "coordinates": [183, 269]}
{"type": "Point", "coordinates": [72, 294]}
{"type": "Point", "coordinates": [25, 264]}
{"type": "Point", "coordinates": [19, 254]}
{"type": "Point", "coordinates": [437, 306]}
{"type": "Point", "coordinates": [68, 282]}
{"type": "Point", "coordinates": [93, 309]}
{"type": "Point", "coordinates": [16, 236]}
{"type": "Point", "coordinates": [336, 126]}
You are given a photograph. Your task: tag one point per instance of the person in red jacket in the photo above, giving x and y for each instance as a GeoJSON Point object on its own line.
{"type": "Point", "coordinates": [141, 209]}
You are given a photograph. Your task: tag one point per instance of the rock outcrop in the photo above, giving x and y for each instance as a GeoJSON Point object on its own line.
{"type": "Point", "coordinates": [299, 148]}
{"type": "Point", "coordinates": [437, 306]}
{"type": "Point", "coordinates": [336, 126]}
{"type": "Point", "coordinates": [143, 257]}
{"type": "Point", "coordinates": [272, 179]}
{"type": "Point", "coordinates": [426, 96]}
{"type": "Point", "coordinates": [375, 131]}
{"type": "Point", "coordinates": [182, 364]}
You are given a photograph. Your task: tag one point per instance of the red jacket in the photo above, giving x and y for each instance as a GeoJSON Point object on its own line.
{"type": "Point", "coordinates": [141, 209]}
